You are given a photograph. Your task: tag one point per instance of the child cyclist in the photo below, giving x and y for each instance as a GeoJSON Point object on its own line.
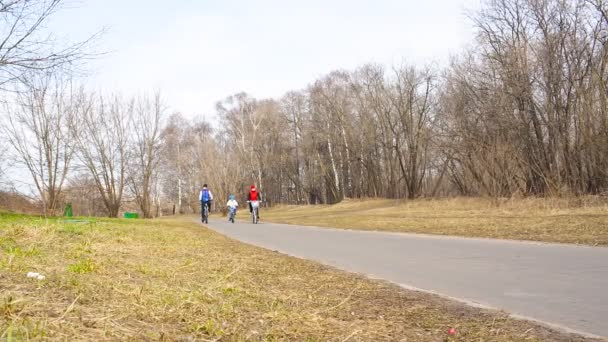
{"type": "Point", "coordinates": [232, 205]}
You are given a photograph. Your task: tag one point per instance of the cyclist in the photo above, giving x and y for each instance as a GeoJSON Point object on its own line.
{"type": "Point", "coordinates": [254, 196]}
{"type": "Point", "coordinates": [232, 205]}
{"type": "Point", "coordinates": [205, 197]}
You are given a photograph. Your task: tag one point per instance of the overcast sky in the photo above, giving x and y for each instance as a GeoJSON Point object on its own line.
{"type": "Point", "coordinates": [198, 52]}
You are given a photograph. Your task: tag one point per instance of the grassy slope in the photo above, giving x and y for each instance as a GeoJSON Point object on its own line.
{"type": "Point", "coordinates": [585, 222]}
{"type": "Point", "coordinates": [174, 280]}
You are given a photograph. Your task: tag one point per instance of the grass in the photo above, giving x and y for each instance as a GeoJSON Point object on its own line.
{"type": "Point", "coordinates": [173, 280]}
{"type": "Point", "coordinates": [579, 221]}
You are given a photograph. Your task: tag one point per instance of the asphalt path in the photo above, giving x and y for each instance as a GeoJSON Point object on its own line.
{"type": "Point", "coordinates": [558, 284]}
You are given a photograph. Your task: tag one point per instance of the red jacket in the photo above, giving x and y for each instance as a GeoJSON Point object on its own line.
{"type": "Point", "coordinates": [254, 195]}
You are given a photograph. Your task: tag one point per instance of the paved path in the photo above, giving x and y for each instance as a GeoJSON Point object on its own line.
{"type": "Point", "coordinates": [560, 284]}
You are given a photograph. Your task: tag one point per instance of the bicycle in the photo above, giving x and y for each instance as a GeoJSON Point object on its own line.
{"type": "Point", "coordinates": [232, 214]}
{"type": "Point", "coordinates": [205, 213]}
{"type": "Point", "coordinates": [255, 205]}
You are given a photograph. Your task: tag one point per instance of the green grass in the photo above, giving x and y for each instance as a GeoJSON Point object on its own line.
{"type": "Point", "coordinates": [82, 266]}
{"type": "Point", "coordinates": [579, 221]}
{"type": "Point", "coordinates": [173, 280]}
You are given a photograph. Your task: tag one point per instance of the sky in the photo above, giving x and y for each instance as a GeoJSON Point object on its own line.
{"type": "Point", "coordinates": [199, 52]}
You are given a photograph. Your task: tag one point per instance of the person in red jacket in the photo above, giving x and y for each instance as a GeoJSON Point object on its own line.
{"type": "Point", "coordinates": [254, 196]}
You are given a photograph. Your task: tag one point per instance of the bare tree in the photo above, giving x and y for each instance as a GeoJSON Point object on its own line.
{"type": "Point", "coordinates": [3, 158]}
{"type": "Point", "coordinates": [332, 101]}
{"type": "Point", "coordinates": [176, 143]}
{"type": "Point", "coordinates": [146, 127]}
{"type": "Point", "coordinates": [38, 128]}
{"type": "Point", "coordinates": [83, 193]}
{"type": "Point", "coordinates": [294, 108]}
{"type": "Point", "coordinates": [530, 101]}
{"type": "Point", "coordinates": [243, 122]}
{"type": "Point", "coordinates": [24, 47]}
{"type": "Point", "coordinates": [525, 111]}
{"type": "Point", "coordinates": [212, 160]}
{"type": "Point", "coordinates": [102, 137]}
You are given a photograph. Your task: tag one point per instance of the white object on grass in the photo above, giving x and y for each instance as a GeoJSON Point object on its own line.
{"type": "Point", "coordinates": [35, 275]}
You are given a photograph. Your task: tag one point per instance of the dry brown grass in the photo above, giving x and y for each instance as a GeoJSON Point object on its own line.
{"type": "Point", "coordinates": [14, 201]}
{"type": "Point", "coordinates": [580, 221]}
{"type": "Point", "coordinates": [173, 280]}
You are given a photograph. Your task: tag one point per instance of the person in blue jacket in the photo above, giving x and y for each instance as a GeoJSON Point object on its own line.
{"type": "Point", "coordinates": [205, 197]}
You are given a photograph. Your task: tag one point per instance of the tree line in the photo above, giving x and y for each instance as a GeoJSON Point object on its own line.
{"type": "Point", "coordinates": [523, 112]}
